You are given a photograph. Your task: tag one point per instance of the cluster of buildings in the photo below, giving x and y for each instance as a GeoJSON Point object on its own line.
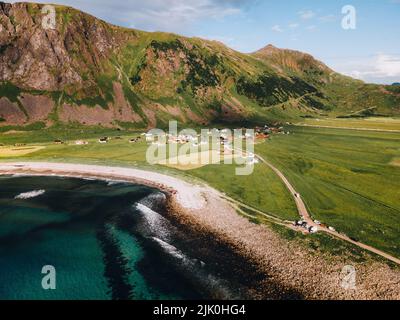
{"type": "Point", "coordinates": [312, 229]}
{"type": "Point", "coordinates": [304, 225]}
{"type": "Point", "coordinates": [225, 137]}
{"type": "Point", "coordinates": [195, 140]}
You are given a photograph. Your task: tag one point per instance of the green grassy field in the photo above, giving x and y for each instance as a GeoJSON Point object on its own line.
{"type": "Point", "coordinates": [346, 177]}
{"type": "Point", "coordinates": [372, 123]}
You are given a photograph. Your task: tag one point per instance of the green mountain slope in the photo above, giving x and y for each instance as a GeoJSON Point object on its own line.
{"type": "Point", "coordinates": [92, 73]}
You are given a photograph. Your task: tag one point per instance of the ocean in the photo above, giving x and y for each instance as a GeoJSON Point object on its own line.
{"type": "Point", "coordinates": [107, 240]}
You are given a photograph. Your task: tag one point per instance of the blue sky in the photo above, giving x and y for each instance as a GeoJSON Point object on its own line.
{"type": "Point", "coordinates": [370, 52]}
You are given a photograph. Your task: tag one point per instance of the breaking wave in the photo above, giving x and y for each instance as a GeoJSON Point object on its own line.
{"type": "Point", "coordinates": [196, 272]}
{"type": "Point", "coordinates": [155, 201]}
{"type": "Point", "coordinates": [153, 223]}
{"type": "Point", "coordinates": [30, 194]}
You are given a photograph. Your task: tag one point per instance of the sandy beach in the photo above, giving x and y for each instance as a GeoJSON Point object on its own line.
{"type": "Point", "coordinates": [292, 267]}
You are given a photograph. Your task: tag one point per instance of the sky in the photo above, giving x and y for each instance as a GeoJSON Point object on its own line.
{"type": "Point", "coordinates": [370, 50]}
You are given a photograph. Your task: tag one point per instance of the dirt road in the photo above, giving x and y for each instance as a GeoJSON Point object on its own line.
{"type": "Point", "coordinates": [301, 207]}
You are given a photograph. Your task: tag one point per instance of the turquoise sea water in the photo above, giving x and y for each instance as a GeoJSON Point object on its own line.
{"type": "Point", "coordinates": [112, 240]}
{"type": "Point", "coordinates": [86, 230]}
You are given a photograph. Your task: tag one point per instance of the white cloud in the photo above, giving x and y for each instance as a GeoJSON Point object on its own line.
{"type": "Point", "coordinates": [277, 28]}
{"type": "Point", "coordinates": [381, 68]}
{"type": "Point", "coordinates": [293, 25]}
{"type": "Point", "coordinates": [311, 28]}
{"type": "Point", "coordinates": [388, 66]}
{"type": "Point", "coordinates": [307, 14]}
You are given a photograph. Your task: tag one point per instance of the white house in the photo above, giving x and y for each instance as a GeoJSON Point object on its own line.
{"type": "Point", "coordinates": [313, 229]}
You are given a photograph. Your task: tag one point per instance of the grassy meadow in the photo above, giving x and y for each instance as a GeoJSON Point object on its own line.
{"type": "Point", "coordinates": [347, 179]}
{"type": "Point", "coordinates": [370, 123]}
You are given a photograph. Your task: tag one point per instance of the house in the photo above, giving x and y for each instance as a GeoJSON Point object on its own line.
{"type": "Point", "coordinates": [313, 229]}
{"type": "Point", "coordinates": [103, 140]}
{"type": "Point", "coordinates": [57, 141]}
{"type": "Point", "coordinates": [304, 224]}
{"type": "Point", "coordinates": [251, 161]}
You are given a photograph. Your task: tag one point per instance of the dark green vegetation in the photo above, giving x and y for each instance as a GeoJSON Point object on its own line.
{"type": "Point", "coordinates": [201, 66]}
{"type": "Point", "coordinates": [268, 90]}
{"type": "Point", "coordinates": [10, 91]}
{"type": "Point", "coordinates": [346, 179]}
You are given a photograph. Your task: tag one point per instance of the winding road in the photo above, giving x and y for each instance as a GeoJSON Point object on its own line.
{"type": "Point", "coordinates": [302, 209]}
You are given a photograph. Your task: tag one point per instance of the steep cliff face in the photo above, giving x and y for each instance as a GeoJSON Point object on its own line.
{"type": "Point", "coordinates": [71, 54]}
{"type": "Point", "coordinates": [83, 70]}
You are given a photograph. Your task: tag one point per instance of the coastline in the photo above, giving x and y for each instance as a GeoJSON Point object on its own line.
{"type": "Point", "coordinates": [201, 208]}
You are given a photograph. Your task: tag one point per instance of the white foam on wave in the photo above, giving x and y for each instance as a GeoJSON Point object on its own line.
{"type": "Point", "coordinates": [155, 222]}
{"type": "Point", "coordinates": [19, 175]}
{"type": "Point", "coordinates": [111, 183]}
{"type": "Point", "coordinates": [154, 199]}
{"type": "Point", "coordinates": [171, 250]}
{"type": "Point", "coordinates": [30, 194]}
{"type": "Point", "coordinates": [198, 274]}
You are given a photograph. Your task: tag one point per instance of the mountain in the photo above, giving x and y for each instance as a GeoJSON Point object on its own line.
{"type": "Point", "coordinates": [89, 72]}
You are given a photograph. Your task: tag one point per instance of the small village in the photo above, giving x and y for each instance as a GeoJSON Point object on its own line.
{"type": "Point", "coordinates": [224, 135]}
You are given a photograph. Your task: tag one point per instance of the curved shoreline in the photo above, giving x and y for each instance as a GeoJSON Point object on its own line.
{"type": "Point", "coordinates": [293, 267]}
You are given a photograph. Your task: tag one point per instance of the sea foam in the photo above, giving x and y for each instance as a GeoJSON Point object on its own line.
{"type": "Point", "coordinates": [155, 223]}
{"type": "Point", "coordinates": [30, 194]}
